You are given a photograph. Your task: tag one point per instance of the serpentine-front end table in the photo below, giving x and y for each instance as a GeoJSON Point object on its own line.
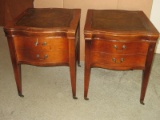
{"type": "Point", "coordinates": [119, 40]}
{"type": "Point", "coordinates": [45, 37]}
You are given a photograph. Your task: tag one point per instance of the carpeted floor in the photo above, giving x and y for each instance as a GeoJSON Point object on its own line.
{"type": "Point", "coordinates": [114, 95]}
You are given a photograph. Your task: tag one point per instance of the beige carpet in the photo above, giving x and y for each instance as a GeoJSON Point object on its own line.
{"type": "Point", "coordinates": [114, 95]}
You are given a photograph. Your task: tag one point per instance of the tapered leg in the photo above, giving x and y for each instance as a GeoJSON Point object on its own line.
{"type": "Point", "coordinates": [78, 45]}
{"type": "Point", "coordinates": [79, 54]}
{"type": "Point", "coordinates": [17, 74]}
{"type": "Point", "coordinates": [73, 79]}
{"type": "Point", "coordinates": [144, 86]}
{"type": "Point", "coordinates": [86, 81]}
{"type": "Point", "coordinates": [72, 65]}
{"type": "Point", "coordinates": [16, 66]}
{"type": "Point", "coordinates": [87, 69]}
{"type": "Point", "coordinates": [146, 72]}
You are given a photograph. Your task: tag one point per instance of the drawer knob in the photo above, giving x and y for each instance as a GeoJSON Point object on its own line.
{"type": "Point", "coordinates": [123, 47]}
{"type": "Point", "coordinates": [116, 61]}
{"type": "Point", "coordinates": [43, 58]}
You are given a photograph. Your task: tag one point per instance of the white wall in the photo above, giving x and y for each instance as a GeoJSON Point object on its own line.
{"type": "Point", "coordinates": [155, 18]}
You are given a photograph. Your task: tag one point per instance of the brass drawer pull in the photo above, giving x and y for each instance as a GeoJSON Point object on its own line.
{"type": "Point", "coordinates": [45, 57]}
{"type": "Point", "coordinates": [36, 43]}
{"type": "Point", "coordinates": [123, 47]}
{"type": "Point", "coordinates": [118, 62]}
{"type": "Point", "coordinates": [44, 43]}
{"type": "Point", "coordinates": [115, 46]}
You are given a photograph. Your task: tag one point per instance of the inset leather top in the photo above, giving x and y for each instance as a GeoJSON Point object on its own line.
{"type": "Point", "coordinates": [118, 22]}
{"type": "Point", "coordinates": [46, 18]}
{"type": "Point", "coordinates": [45, 21]}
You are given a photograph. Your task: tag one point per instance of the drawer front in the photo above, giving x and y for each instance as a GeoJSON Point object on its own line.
{"type": "Point", "coordinates": [114, 60]}
{"type": "Point", "coordinates": [29, 56]}
{"type": "Point", "coordinates": [41, 43]}
{"type": "Point", "coordinates": [120, 47]}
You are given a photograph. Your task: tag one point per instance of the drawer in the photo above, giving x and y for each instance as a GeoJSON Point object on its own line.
{"type": "Point", "coordinates": [115, 60]}
{"type": "Point", "coordinates": [29, 56]}
{"type": "Point", "coordinates": [41, 43]}
{"type": "Point", "coordinates": [120, 47]}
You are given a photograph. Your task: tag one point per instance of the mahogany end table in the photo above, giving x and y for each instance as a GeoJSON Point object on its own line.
{"type": "Point", "coordinates": [119, 40]}
{"type": "Point", "coordinates": [45, 37]}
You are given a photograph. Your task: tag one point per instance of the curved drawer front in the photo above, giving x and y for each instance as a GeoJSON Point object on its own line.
{"type": "Point", "coordinates": [40, 43]}
{"type": "Point", "coordinates": [114, 60]}
{"type": "Point", "coordinates": [120, 47]}
{"type": "Point", "coordinates": [57, 56]}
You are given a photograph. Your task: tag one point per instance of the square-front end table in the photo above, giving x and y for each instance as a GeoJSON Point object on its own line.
{"type": "Point", "coordinates": [45, 37]}
{"type": "Point", "coordinates": [119, 40]}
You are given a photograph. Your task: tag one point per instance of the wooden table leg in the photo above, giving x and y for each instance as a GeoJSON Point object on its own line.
{"type": "Point", "coordinates": [17, 74]}
{"type": "Point", "coordinates": [16, 67]}
{"type": "Point", "coordinates": [73, 80]}
{"type": "Point", "coordinates": [86, 81]}
{"type": "Point", "coordinates": [146, 72]}
{"type": "Point", "coordinates": [72, 65]}
{"type": "Point", "coordinates": [87, 70]}
{"type": "Point", "coordinates": [79, 45]}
